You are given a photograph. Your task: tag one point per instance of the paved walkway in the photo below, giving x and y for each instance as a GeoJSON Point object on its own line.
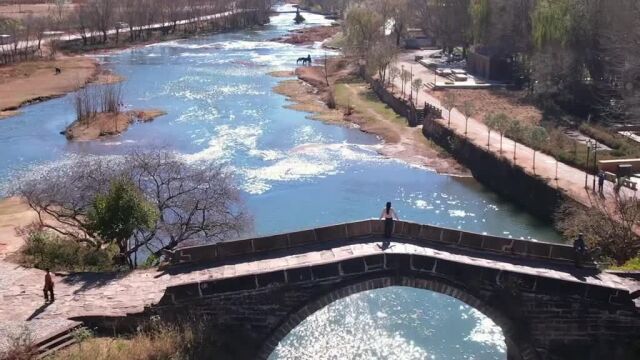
{"type": "Point", "coordinates": [118, 294]}
{"type": "Point", "coordinates": [570, 179]}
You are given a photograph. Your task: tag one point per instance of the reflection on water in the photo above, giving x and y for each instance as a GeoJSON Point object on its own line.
{"type": "Point", "coordinates": [394, 323]}
{"type": "Point", "coordinates": [294, 172]}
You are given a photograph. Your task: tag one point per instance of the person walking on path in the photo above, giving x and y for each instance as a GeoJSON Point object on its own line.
{"type": "Point", "coordinates": [580, 249]}
{"type": "Point", "coordinates": [388, 214]}
{"type": "Point", "coordinates": [601, 179]}
{"type": "Point", "coordinates": [48, 286]}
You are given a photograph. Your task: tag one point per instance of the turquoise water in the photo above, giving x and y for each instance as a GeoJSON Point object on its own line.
{"type": "Point", "coordinates": [294, 172]}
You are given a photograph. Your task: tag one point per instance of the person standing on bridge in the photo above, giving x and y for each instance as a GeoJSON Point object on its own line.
{"type": "Point", "coordinates": [388, 214]}
{"type": "Point", "coordinates": [580, 249]}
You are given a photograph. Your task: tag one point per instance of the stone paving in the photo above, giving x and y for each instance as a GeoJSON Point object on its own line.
{"type": "Point", "coordinates": [118, 294]}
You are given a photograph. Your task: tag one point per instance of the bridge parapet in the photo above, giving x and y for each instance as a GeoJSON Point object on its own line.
{"type": "Point", "coordinates": [403, 231]}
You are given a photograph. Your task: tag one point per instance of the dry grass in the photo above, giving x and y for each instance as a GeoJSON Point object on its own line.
{"type": "Point", "coordinates": [511, 103]}
{"type": "Point", "coordinates": [164, 342]}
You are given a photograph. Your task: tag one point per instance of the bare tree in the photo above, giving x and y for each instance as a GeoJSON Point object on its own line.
{"type": "Point", "coordinates": [196, 202]}
{"type": "Point", "coordinates": [607, 225]}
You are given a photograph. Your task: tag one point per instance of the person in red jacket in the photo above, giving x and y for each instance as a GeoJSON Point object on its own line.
{"type": "Point", "coordinates": [48, 286]}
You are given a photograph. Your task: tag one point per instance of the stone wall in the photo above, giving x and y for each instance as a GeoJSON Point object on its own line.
{"type": "Point", "coordinates": [404, 231]}
{"type": "Point", "coordinates": [401, 107]}
{"type": "Point", "coordinates": [541, 318]}
{"type": "Point", "coordinates": [498, 174]}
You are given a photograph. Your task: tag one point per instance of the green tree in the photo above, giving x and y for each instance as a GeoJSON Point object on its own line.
{"type": "Point", "coordinates": [551, 22]}
{"type": "Point", "coordinates": [467, 110]}
{"type": "Point", "coordinates": [499, 123]}
{"type": "Point", "coordinates": [362, 28]}
{"type": "Point", "coordinates": [405, 76]}
{"type": "Point", "coordinates": [537, 136]}
{"type": "Point", "coordinates": [480, 12]}
{"type": "Point", "coordinates": [417, 84]}
{"type": "Point", "coordinates": [116, 215]}
{"type": "Point", "coordinates": [449, 102]}
{"type": "Point", "coordinates": [488, 121]}
{"type": "Point", "coordinates": [515, 131]}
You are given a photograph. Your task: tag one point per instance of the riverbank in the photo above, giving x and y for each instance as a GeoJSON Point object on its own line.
{"type": "Point", "coordinates": [309, 36]}
{"type": "Point", "coordinates": [29, 82]}
{"type": "Point", "coordinates": [357, 105]}
{"type": "Point", "coordinates": [108, 124]}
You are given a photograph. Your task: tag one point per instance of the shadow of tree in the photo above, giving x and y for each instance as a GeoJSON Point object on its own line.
{"type": "Point", "coordinates": [93, 280]}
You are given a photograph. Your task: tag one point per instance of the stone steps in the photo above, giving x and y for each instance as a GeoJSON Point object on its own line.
{"type": "Point", "coordinates": [57, 341]}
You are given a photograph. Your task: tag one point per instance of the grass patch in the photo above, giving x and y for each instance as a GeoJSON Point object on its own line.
{"type": "Point", "coordinates": [631, 265]}
{"type": "Point", "coordinates": [365, 100]}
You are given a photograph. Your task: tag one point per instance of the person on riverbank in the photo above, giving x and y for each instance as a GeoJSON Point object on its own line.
{"type": "Point", "coordinates": [388, 214]}
{"type": "Point", "coordinates": [580, 249]}
{"type": "Point", "coordinates": [48, 286]}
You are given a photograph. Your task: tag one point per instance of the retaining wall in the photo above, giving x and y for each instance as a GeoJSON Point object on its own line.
{"type": "Point", "coordinates": [498, 174]}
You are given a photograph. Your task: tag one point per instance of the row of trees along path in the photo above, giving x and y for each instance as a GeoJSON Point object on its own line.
{"type": "Point", "coordinates": [569, 179]}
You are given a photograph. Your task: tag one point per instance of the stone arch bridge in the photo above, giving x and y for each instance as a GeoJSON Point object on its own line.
{"type": "Point", "coordinates": [257, 290]}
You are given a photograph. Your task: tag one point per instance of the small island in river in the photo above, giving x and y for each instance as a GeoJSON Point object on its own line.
{"type": "Point", "coordinates": [108, 124]}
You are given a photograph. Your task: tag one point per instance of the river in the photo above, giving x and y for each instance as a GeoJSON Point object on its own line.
{"type": "Point", "coordinates": [294, 173]}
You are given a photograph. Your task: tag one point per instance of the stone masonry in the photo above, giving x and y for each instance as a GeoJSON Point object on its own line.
{"type": "Point", "coordinates": [543, 314]}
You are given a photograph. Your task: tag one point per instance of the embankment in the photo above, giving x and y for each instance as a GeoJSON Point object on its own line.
{"type": "Point", "coordinates": [498, 174]}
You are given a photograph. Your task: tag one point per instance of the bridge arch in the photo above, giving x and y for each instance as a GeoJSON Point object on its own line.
{"type": "Point", "coordinates": [518, 348]}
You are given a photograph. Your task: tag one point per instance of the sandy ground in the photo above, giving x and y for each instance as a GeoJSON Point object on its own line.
{"type": "Point", "coordinates": [310, 94]}
{"type": "Point", "coordinates": [14, 213]}
{"type": "Point", "coordinates": [32, 81]}
{"type": "Point", "coordinates": [310, 35]}
{"type": "Point", "coordinates": [109, 124]}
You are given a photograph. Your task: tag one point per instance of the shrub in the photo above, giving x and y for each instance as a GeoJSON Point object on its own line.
{"type": "Point", "coordinates": [46, 250]}
{"type": "Point", "coordinates": [21, 346]}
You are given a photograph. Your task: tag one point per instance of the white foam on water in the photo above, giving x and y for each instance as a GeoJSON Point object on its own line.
{"type": "Point", "coordinates": [460, 213]}
{"type": "Point", "coordinates": [199, 114]}
{"type": "Point", "coordinates": [304, 162]}
{"type": "Point", "coordinates": [422, 204]}
{"type": "Point", "coordinates": [227, 141]}
{"type": "Point", "coordinates": [486, 332]}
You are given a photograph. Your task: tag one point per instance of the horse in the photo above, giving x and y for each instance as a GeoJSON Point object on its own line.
{"type": "Point", "coordinates": [58, 71]}
{"type": "Point", "coordinates": [304, 60]}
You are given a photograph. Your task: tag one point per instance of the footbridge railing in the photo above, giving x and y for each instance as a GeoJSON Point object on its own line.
{"type": "Point", "coordinates": [404, 231]}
